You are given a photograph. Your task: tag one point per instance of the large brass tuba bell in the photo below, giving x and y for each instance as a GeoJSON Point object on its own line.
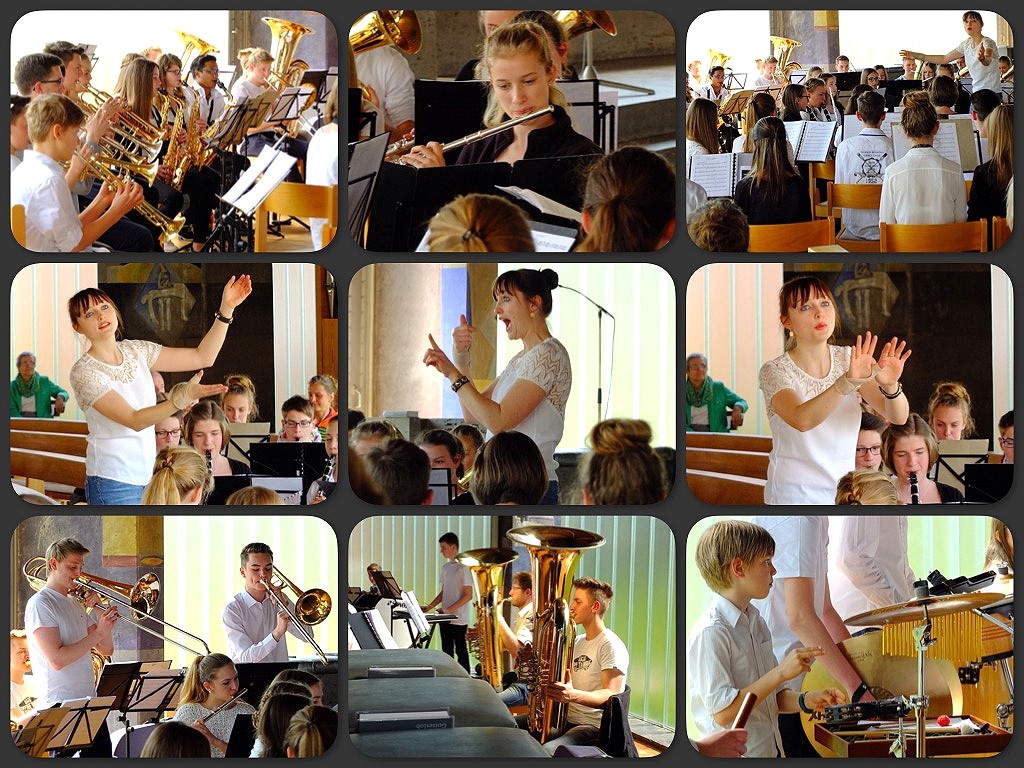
{"type": "Point", "coordinates": [191, 42]}
{"type": "Point", "coordinates": [488, 569]}
{"type": "Point", "coordinates": [553, 556]}
{"type": "Point", "coordinates": [783, 48]}
{"type": "Point", "coordinates": [376, 28]}
{"type": "Point", "coordinates": [576, 23]}
{"type": "Point", "coordinates": [284, 40]}
{"type": "Point", "coordinates": [717, 59]}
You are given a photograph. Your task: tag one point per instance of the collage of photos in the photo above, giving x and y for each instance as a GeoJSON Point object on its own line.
{"type": "Point", "coordinates": [883, 379]}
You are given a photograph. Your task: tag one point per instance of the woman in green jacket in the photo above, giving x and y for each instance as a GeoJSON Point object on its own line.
{"type": "Point", "coordinates": [35, 395]}
{"type": "Point", "coordinates": [706, 400]}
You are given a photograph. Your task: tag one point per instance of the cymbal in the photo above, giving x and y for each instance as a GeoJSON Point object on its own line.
{"type": "Point", "coordinates": [913, 610]}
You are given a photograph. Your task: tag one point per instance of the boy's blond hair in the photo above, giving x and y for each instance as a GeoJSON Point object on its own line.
{"type": "Point", "coordinates": [723, 542]}
{"type": "Point", "coordinates": [48, 110]}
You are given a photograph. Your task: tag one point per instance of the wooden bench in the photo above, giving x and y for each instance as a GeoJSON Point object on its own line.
{"type": "Point", "coordinates": [51, 442]}
{"type": "Point", "coordinates": [745, 463]}
{"type": "Point", "coordinates": [40, 467]}
{"type": "Point", "coordinates": [729, 441]}
{"type": "Point", "coordinates": [721, 488]}
{"type": "Point", "coordinates": [67, 426]}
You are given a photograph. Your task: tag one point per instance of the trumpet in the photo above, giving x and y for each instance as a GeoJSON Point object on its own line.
{"type": "Point", "coordinates": [168, 227]}
{"type": "Point", "coordinates": [302, 627]}
{"type": "Point", "coordinates": [139, 599]}
{"type": "Point", "coordinates": [141, 130]}
{"type": "Point", "coordinates": [401, 147]}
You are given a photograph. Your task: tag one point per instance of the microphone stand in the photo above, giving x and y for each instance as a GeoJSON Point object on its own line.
{"type": "Point", "coordinates": [601, 312]}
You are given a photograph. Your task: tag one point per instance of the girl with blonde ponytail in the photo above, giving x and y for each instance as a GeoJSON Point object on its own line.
{"type": "Point", "coordinates": [211, 681]}
{"type": "Point", "coordinates": [180, 476]}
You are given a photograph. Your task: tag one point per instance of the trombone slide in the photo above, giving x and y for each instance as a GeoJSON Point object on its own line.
{"type": "Point", "coordinates": [302, 629]}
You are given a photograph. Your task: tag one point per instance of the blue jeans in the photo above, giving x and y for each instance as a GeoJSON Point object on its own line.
{"type": "Point", "coordinates": [551, 497]}
{"type": "Point", "coordinates": [515, 695]}
{"type": "Point", "coordinates": [104, 491]}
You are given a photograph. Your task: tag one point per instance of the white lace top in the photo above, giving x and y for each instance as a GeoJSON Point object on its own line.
{"type": "Point", "coordinates": [805, 467]}
{"type": "Point", "coordinates": [547, 366]}
{"type": "Point", "coordinates": [115, 451]}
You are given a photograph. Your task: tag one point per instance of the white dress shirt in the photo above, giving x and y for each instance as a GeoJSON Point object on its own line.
{"type": "Point", "coordinates": [923, 187]}
{"type": "Point", "coordinates": [249, 626]}
{"type": "Point", "coordinates": [727, 650]}
{"type": "Point", "coordinates": [708, 92]}
{"type": "Point", "coordinates": [211, 106]}
{"type": "Point", "coordinates": [51, 213]}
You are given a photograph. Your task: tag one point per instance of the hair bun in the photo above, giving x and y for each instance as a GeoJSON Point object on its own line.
{"type": "Point", "coordinates": [550, 278]}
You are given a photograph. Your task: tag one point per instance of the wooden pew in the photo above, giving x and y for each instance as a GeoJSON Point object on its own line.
{"type": "Point", "coordinates": [41, 467]}
{"type": "Point", "coordinates": [720, 488]}
{"type": "Point", "coordinates": [730, 441]}
{"type": "Point", "coordinates": [67, 426]}
{"type": "Point", "coordinates": [51, 442]}
{"type": "Point", "coordinates": [745, 463]}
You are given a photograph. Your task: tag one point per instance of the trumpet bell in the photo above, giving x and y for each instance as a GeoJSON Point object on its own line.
{"type": "Point", "coordinates": [576, 23]}
{"type": "Point", "coordinates": [376, 28]}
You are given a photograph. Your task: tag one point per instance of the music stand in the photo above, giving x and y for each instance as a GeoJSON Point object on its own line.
{"type": "Point", "coordinates": [895, 89]}
{"type": "Point", "coordinates": [318, 79]}
{"type": "Point", "coordinates": [736, 104]}
{"type": "Point", "coordinates": [987, 483]}
{"type": "Point", "coordinates": [290, 460]}
{"type": "Point", "coordinates": [244, 435]}
{"type": "Point", "coordinates": [242, 738]}
{"type": "Point", "coordinates": [355, 115]}
{"type": "Point", "coordinates": [157, 691]}
{"type": "Point", "coordinates": [448, 109]}
{"type": "Point", "coordinates": [256, 676]}
{"type": "Point", "coordinates": [386, 585]}
{"type": "Point", "coordinates": [33, 737]}
{"type": "Point", "coordinates": [81, 723]}
{"type": "Point", "coordinates": [954, 455]}
{"type": "Point", "coordinates": [365, 159]}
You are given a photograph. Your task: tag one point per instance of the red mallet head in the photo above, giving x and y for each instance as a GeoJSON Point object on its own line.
{"type": "Point", "coordinates": [943, 720]}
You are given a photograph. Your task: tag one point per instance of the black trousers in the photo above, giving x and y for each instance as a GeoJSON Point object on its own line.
{"type": "Point", "coordinates": [255, 143]}
{"type": "Point", "coordinates": [453, 642]}
{"type": "Point", "coordinates": [794, 740]}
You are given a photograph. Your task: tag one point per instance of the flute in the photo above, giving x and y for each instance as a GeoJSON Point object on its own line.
{"type": "Point", "coordinates": [402, 146]}
{"type": "Point", "coordinates": [227, 703]}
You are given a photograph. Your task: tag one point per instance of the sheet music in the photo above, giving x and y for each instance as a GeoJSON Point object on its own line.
{"type": "Point", "coordinates": [982, 144]}
{"type": "Point", "coordinates": [716, 173]}
{"type": "Point", "coordinates": [249, 176]}
{"type": "Point", "coordinates": [945, 143]}
{"type": "Point", "coordinates": [743, 162]}
{"type": "Point", "coordinates": [816, 140]}
{"type": "Point", "coordinates": [794, 130]}
{"type": "Point", "coordinates": [851, 127]}
{"type": "Point", "coordinates": [273, 176]}
{"type": "Point", "coordinates": [543, 204]}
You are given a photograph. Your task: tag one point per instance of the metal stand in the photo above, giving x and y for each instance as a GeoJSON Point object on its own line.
{"type": "Point", "coordinates": [590, 71]}
{"type": "Point", "coordinates": [923, 638]}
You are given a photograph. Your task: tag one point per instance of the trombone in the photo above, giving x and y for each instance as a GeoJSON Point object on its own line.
{"type": "Point", "coordinates": [314, 603]}
{"type": "Point", "coordinates": [139, 598]}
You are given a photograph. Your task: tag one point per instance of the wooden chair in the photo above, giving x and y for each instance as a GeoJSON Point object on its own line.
{"type": "Point", "coordinates": [967, 183]}
{"type": "Point", "coordinates": [18, 223]}
{"type": "Point", "coordinates": [866, 196]}
{"type": "Point", "coordinates": [302, 200]}
{"type": "Point", "coordinates": [934, 238]}
{"type": "Point", "coordinates": [1000, 232]}
{"type": "Point", "coordinates": [791, 238]}
{"type": "Point", "coordinates": [827, 171]}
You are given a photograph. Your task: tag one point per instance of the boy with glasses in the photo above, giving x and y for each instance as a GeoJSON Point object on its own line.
{"type": "Point", "coordinates": [205, 74]}
{"type": "Point", "coordinates": [1006, 436]}
{"type": "Point", "coordinates": [715, 89]}
{"type": "Point", "coordinates": [297, 421]}
{"type": "Point", "coordinates": [39, 73]}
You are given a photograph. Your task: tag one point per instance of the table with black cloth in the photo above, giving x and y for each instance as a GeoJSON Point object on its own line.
{"type": "Point", "coordinates": [480, 742]}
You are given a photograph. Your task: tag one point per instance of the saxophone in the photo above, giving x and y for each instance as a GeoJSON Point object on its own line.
{"type": "Point", "coordinates": [554, 552]}
{"type": "Point", "coordinates": [488, 569]}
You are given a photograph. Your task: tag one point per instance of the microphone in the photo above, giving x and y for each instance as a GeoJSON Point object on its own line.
{"type": "Point", "coordinates": [599, 307]}
{"type": "Point", "coordinates": [601, 311]}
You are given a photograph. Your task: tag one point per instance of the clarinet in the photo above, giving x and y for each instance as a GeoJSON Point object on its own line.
{"type": "Point", "coordinates": [209, 462]}
{"type": "Point", "coordinates": [329, 469]}
{"type": "Point", "coordinates": [915, 498]}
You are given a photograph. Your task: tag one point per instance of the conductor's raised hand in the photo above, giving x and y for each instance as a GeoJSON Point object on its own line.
{"type": "Point", "coordinates": [185, 393]}
{"type": "Point", "coordinates": [462, 335]}
{"type": "Point", "coordinates": [436, 357]}
{"type": "Point", "coordinates": [891, 362]}
{"type": "Point", "coordinates": [862, 358]}
{"type": "Point", "coordinates": [235, 292]}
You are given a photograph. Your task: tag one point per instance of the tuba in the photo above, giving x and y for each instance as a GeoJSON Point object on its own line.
{"type": "Point", "coordinates": [488, 569]}
{"type": "Point", "coordinates": [376, 28]}
{"type": "Point", "coordinates": [576, 23]}
{"type": "Point", "coordinates": [554, 551]}
{"type": "Point", "coordinates": [192, 42]}
{"type": "Point", "coordinates": [284, 40]}
{"type": "Point", "coordinates": [783, 48]}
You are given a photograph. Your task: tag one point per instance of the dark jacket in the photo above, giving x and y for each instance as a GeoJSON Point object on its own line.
{"type": "Point", "coordinates": [985, 200]}
{"type": "Point", "coordinates": [794, 207]}
{"type": "Point", "coordinates": [558, 140]}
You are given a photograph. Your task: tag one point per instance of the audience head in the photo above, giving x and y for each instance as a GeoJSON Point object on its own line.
{"type": "Point", "coordinates": [842, 63]}
{"type": "Point", "coordinates": [55, 119]}
{"type": "Point", "coordinates": [20, 661]}
{"type": "Point", "coordinates": [491, 20]}
{"type": "Point", "coordinates": [730, 548]}
{"type": "Point", "coordinates": [770, 168]}
{"type": "Point", "coordinates": [796, 292]}
{"type": "Point", "coordinates": [509, 469]}
{"type": "Point", "coordinates": [883, 75]}
{"type": "Point", "coordinates": [168, 431]}
{"type": "Point", "coordinates": [167, 62]}
{"type": "Point", "coordinates": [871, 108]}
{"type": "Point", "coordinates": [158, 382]}
{"type": "Point", "coordinates": [514, 50]}
{"type": "Point", "coordinates": [622, 467]}
{"type": "Point", "coordinates": [39, 73]}
{"type": "Point", "coordinates": [702, 124]}
{"type": "Point", "coordinates": [401, 471]}
{"type": "Point", "coordinates": [866, 487]}
{"type": "Point", "coordinates": [859, 89]}
{"type": "Point", "coordinates": [175, 740]}
{"type": "Point", "coordinates": [770, 65]}
{"type": "Point", "coordinates": [479, 223]}
{"type": "Point", "coordinates": [138, 88]}
{"type": "Point", "coordinates": [815, 71]}
{"type": "Point", "coordinates": [272, 718]}
{"type": "Point", "coordinates": [918, 119]}
{"type": "Point", "coordinates": [311, 731]}
{"type": "Point", "coordinates": [297, 419]}
{"type": "Point", "coordinates": [355, 418]}
{"type": "Point", "coordinates": [70, 56]}
{"type": "Point", "coordinates": [212, 675]}
{"type": "Point", "coordinates": [869, 441]}
{"type": "Point", "coordinates": [1004, 65]}
{"type": "Point", "coordinates": [555, 33]}
{"type": "Point", "coordinates": [928, 70]}
{"type": "Point", "coordinates": [983, 101]}
{"type": "Point", "coordinates": [816, 94]}
{"type": "Point", "coordinates": [629, 203]}
{"type": "Point", "coordinates": [301, 676]}
{"type": "Point", "coordinates": [180, 476]}
{"type": "Point", "coordinates": [19, 123]}
{"type": "Point", "coordinates": [943, 92]}
{"type": "Point", "coordinates": [1006, 436]}
{"type": "Point", "coordinates": [323, 391]}
{"type": "Point", "coordinates": [949, 411]}
{"type": "Point", "coordinates": [206, 427]}
{"type": "Point", "coordinates": [945, 70]}
{"type": "Point", "coordinates": [910, 447]}
{"type": "Point", "coordinates": [239, 402]}
{"type": "Point", "coordinates": [471, 439]}
{"type": "Point", "coordinates": [253, 495]}
{"type": "Point", "coordinates": [696, 369]}
{"type": "Point", "coordinates": [359, 478]}
{"type": "Point", "coordinates": [719, 225]}
{"type": "Point", "coordinates": [373, 433]}
{"type": "Point", "coordinates": [999, 129]}
{"type": "Point", "coordinates": [81, 309]}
